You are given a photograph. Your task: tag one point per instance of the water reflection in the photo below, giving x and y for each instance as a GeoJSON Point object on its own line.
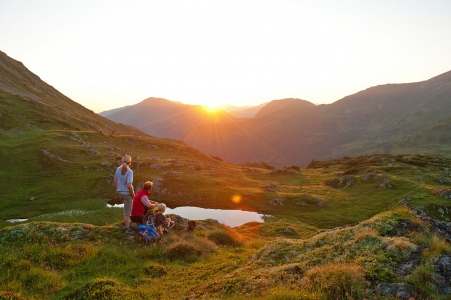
{"type": "Point", "coordinates": [228, 217]}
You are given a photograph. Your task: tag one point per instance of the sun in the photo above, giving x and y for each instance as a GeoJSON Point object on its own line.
{"type": "Point", "coordinates": [211, 109]}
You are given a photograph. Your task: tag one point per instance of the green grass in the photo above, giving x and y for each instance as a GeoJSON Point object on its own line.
{"type": "Point", "coordinates": [74, 247]}
{"type": "Point", "coordinates": [55, 260]}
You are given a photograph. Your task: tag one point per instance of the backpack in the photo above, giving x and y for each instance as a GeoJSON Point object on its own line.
{"type": "Point", "coordinates": [148, 232]}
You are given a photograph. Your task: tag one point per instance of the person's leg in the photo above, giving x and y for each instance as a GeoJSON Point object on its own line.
{"type": "Point", "coordinates": [170, 223]}
{"type": "Point", "coordinates": [137, 219]}
{"type": "Point", "coordinates": [128, 201]}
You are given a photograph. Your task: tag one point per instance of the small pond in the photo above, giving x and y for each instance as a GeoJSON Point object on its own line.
{"type": "Point", "coordinates": [227, 217]}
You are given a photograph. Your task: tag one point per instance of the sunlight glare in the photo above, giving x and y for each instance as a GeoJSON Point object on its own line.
{"type": "Point", "coordinates": [211, 109]}
{"type": "Point", "coordinates": [236, 198]}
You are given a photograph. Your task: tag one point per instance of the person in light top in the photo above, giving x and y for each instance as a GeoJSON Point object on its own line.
{"type": "Point", "coordinates": [141, 203]}
{"type": "Point", "coordinates": [123, 181]}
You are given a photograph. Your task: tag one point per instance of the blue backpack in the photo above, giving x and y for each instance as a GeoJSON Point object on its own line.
{"type": "Point", "coordinates": [147, 230]}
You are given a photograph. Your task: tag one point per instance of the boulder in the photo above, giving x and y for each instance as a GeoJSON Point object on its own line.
{"type": "Point", "coordinates": [442, 270]}
{"type": "Point", "coordinates": [344, 181]}
{"type": "Point", "coordinates": [369, 177]}
{"type": "Point", "coordinates": [445, 194]}
{"type": "Point", "coordinates": [277, 201]}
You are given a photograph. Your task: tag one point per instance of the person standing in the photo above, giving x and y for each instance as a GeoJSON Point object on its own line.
{"type": "Point", "coordinates": [123, 181]}
{"type": "Point", "coordinates": [141, 203]}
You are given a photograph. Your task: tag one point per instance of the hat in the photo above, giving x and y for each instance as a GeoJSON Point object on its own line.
{"type": "Point", "coordinates": [127, 159]}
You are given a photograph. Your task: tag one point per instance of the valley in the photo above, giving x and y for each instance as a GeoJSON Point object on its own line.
{"type": "Point", "coordinates": [381, 220]}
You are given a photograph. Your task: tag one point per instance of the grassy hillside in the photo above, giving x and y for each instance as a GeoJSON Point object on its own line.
{"type": "Point", "coordinates": [393, 255]}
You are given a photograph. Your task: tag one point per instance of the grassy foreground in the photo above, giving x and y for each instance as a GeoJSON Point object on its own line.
{"type": "Point", "coordinates": [51, 260]}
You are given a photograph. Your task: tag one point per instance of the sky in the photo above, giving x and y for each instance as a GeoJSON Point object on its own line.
{"type": "Point", "coordinates": [109, 54]}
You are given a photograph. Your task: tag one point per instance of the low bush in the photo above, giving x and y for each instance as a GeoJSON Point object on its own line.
{"type": "Point", "coordinates": [338, 281]}
{"type": "Point", "coordinates": [182, 250]}
{"type": "Point", "coordinates": [154, 271]}
{"type": "Point", "coordinates": [226, 237]}
{"type": "Point", "coordinates": [421, 280]}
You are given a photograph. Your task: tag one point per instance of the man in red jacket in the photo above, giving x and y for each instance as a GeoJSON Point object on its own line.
{"type": "Point", "coordinates": [141, 203]}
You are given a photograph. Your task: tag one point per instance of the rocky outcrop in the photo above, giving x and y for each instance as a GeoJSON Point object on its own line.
{"type": "Point", "coordinates": [343, 182]}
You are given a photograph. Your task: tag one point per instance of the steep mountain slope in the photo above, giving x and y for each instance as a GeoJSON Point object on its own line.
{"type": "Point", "coordinates": [164, 118]}
{"type": "Point", "coordinates": [62, 156]}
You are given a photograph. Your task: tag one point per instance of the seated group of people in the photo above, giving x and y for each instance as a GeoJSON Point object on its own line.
{"type": "Point", "coordinates": [142, 204]}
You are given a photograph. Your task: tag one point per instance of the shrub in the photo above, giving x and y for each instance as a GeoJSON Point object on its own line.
{"type": "Point", "coordinates": [101, 288]}
{"type": "Point", "coordinates": [227, 237]}
{"type": "Point", "coordinates": [365, 232]}
{"type": "Point", "coordinates": [338, 281]}
{"type": "Point", "coordinates": [10, 296]}
{"type": "Point", "coordinates": [421, 280]}
{"type": "Point", "coordinates": [154, 271]}
{"type": "Point", "coordinates": [181, 250]}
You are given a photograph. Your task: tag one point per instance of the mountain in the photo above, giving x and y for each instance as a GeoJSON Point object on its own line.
{"type": "Point", "coordinates": [343, 218]}
{"type": "Point", "coordinates": [62, 156]}
{"type": "Point", "coordinates": [246, 111]}
{"type": "Point", "coordinates": [276, 105]}
{"type": "Point", "coordinates": [106, 113]}
{"type": "Point", "coordinates": [163, 118]}
{"type": "Point", "coordinates": [395, 118]}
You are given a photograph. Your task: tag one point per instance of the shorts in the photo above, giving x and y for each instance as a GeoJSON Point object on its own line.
{"type": "Point", "coordinates": [128, 202]}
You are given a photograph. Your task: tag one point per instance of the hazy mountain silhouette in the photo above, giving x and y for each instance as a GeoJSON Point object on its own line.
{"type": "Point", "coordinates": [397, 118]}
{"type": "Point", "coordinates": [163, 118]}
{"type": "Point", "coordinates": [245, 112]}
{"type": "Point", "coordinates": [276, 105]}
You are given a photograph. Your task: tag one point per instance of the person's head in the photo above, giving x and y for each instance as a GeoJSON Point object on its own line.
{"type": "Point", "coordinates": [147, 185]}
{"type": "Point", "coordinates": [161, 207]}
{"type": "Point", "coordinates": [126, 162]}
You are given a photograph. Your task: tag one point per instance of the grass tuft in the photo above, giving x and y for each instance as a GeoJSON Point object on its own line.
{"type": "Point", "coordinates": [226, 237]}
{"type": "Point", "coordinates": [338, 281]}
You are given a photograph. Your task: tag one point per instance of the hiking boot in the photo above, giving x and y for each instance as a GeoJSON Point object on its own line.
{"type": "Point", "coordinates": [129, 230]}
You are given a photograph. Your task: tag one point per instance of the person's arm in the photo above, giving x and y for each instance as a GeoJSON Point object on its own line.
{"type": "Point", "coordinates": [131, 190]}
{"type": "Point", "coordinates": [145, 201]}
{"type": "Point", "coordinates": [115, 182]}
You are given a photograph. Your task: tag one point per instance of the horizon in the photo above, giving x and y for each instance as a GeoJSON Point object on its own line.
{"type": "Point", "coordinates": [241, 54]}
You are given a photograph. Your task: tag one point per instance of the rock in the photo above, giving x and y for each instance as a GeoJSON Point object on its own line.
{"type": "Point", "coordinates": [387, 184]}
{"type": "Point", "coordinates": [445, 194]}
{"type": "Point", "coordinates": [442, 270]}
{"type": "Point", "coordinates": [442, 180]}
{"type": "Point", "coordinates": [399, 290]}
{"type": "Point", "coordinates": [157, 185]}
{"type": "Point", "coordinates": [277, 201]}
{"type": "Point", "coordinates": [369, 177]}
{"type": "Point", "coordinates": [159, 166]}
{"type": "Point", "coordinates": [344, 181]}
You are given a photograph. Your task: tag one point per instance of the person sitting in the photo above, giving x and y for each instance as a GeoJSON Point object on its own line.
{"type": "Point", "coordinates": [189, 228]}
{"type": "Point", "coordinates": [141, 203]}
{"type": "Point", "coordinates": [160, 219]}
